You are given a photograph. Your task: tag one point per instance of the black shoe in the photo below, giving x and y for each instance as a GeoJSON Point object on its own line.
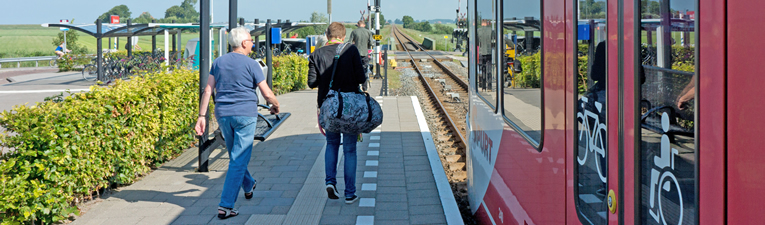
{"type": "Point", "coordinates": [249, 195]}
{"type": "Point", "coordinates": [351, 200]}
{"type": "Point", "coordinates": [332, 191]}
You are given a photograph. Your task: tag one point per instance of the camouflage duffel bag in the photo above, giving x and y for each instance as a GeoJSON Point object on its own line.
{"type": "Point", "coordinates": [350, 112]}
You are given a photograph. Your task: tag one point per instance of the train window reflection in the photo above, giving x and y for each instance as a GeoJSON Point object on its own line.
{"type": "Point", "coordinates": [667, 112]}
{"type": "Point", "coordinates": [486, 31]}
{"type": "Point", "coordinates": [522, 66]}
{"type": "Point", "coordinates": [591, 149]}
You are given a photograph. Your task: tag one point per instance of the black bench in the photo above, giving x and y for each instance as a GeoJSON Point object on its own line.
{"type": "Point", "coordinates": [266, 126]}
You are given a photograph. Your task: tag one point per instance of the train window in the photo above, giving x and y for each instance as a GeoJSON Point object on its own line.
{"type": "Point", "coordinates": [486, 85]}
{"type": "Point", "coordinates": [522, 66]}
{"type": "Point", "coordinates": [667, 112]}
{"type": "Point", "coordinates": [591, 147]}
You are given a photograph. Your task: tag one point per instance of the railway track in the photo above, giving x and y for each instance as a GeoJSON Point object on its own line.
{"type": "Point", "coordinates": [447, 96]}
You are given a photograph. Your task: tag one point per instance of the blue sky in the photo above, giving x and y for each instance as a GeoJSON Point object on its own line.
{"type": "Point", "coordinates": [86, 11]}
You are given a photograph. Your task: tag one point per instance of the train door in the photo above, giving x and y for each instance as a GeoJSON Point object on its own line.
{"type": "Point", "coordinates": [593, 112]}
{"type": "Point", "coordinates": [669, 105]}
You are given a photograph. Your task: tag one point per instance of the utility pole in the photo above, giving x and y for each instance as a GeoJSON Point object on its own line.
{"type": "Point", "coordinates": [329, 11]}
{"type": "Point", "coordinates": [377, 32]}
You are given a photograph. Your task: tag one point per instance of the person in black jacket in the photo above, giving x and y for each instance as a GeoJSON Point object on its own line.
{"type": "Point", "coordinates": [348, 76]}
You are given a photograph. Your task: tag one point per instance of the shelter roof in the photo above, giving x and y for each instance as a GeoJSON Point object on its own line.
{"type": "Point", "coordinates": [260, 29]}
{"type": "Point", "coordinates": [121, 30]}
{"type": "Point", "coordinates": [522, 25]}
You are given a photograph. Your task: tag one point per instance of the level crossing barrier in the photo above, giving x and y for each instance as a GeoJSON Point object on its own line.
{"type": "Point", "coordinates": [36, 59]}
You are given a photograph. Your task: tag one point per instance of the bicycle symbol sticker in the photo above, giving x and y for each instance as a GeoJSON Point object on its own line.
{"type": "Point", "coordinates": [592, 133]}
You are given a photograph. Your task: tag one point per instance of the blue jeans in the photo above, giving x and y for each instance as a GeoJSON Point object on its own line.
{"type": "Point", "coordinates": [239, 133]}
{"type": "Point", "coordinates": [349, 154]}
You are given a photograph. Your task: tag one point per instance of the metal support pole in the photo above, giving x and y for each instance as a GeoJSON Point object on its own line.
{"type": "Point", "coordinates": [174, 49]}
{"type": "Point", "coordinates": [666, 36]}
{"type": "Point", "coordinates": [530, 37]}
{"type": "Point", "coordinates": [232, 10]}
{"type": "Point", "coordinates": [204, 71]}
{"type": "Point", "coordinates": [377, 42]}
{"type": "Point", "coordinates": [129, 40]}
{"type": "Point", "coordinates": [178, 32]}
{"type": "Point", "coordinates": [154, 41]}
{"type": "Point", "coordinates": [269, 77]}
{"type": "Point", "coordinates": [385, 78]}
{"type": "Point", "coordinates": [167, 47]}
{"type": "Point", "coordinates": [257, 38]}
{"type": "Point", "coordinates": [99, 53]}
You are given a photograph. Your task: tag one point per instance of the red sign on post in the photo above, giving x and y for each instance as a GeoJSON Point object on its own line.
{"type": "Point", "coordinates": [115, 19]}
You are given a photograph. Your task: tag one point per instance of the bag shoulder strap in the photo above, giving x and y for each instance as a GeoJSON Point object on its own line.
{"type": "Point", "coordinates": [334, 64]}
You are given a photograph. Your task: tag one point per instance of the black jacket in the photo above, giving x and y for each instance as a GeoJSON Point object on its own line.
{"type": "Point", "coordinates": [348, 76]}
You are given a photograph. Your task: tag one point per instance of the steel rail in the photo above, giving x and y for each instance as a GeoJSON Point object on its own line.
{"type": "Point", "coordinates": [449, 72]}
{"type": "Point", "coordinates": [458, 135]}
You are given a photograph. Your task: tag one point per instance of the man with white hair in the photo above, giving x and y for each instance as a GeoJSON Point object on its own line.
{"type": "Point", "coordinates": [234, 77]}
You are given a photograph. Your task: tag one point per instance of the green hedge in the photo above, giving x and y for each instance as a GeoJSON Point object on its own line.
{"type": "Point", "coordinates": [531, 69]}
{"type": "Point", "coordinates": [67, 148]}
{"type": "Point", "coordinates": [290, 73]}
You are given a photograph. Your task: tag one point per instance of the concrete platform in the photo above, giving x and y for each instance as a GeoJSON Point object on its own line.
{"type": "Point", "coordinates": [399, 178]}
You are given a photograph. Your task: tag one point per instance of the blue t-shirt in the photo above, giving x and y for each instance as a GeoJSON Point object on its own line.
{"type": "Point", "coordinates": [59, 48]}
{"type": "Point", "coordinates": [236, 77]}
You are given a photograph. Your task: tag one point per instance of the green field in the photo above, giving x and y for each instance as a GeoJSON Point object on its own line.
{"type": "Point", "coordinates": [439, 38]}
{"type": "Point", "coordinates": [25, 40]}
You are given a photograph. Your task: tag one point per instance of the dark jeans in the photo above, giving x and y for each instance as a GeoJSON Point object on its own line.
{"type": "Point", "coordinates": [349, 155]}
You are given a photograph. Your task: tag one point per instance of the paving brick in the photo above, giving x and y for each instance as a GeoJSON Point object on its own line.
{"type": "Point", "coordinates": [391, 197]}
{"type": "Point", "coordinates": [156, 220]}
{"type": "Point", "coordinates": [282, 209]}
{"type": "Point", "coordinates": [199, 219]}
{"type": "Point", "coordinates": [266, 194]}
{"type": "Point", "coordinates": [255, 209]}
{"type": "Point", "coordinates": [277, 201]}
{"type": "Point", "coordinates": [384, 221]}
{"type": "Point", "coordinates": [275, 180]}
{"type": "Point", "coordinates": [284, 168]}
{"type": "Point", "coordinates": [420, 179]}
{"type": "Point", "coordinates": [426, 209]}
{"type": "Point", "coordinates": [339, 219]}
{"type": "Point", "coordinates": [392, 214]}
{"type": "Point", "coordinates": [331, 210]}
{"type": "Point", "coordinates": [421, 186]}
{"type": "Point", "coordinates": [391, 182]}
{"type": "Point", "coordinates": [428, 219]}
{"type": "Point", "coordinates": [390, 206]}
{"type": "Point", "coordinates": [415, 201]}
{"type": "Point", "coordinates": [286, 187]}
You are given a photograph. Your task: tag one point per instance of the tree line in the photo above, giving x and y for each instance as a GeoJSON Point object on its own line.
{"type": "Point", "coordinates": [184, 13]}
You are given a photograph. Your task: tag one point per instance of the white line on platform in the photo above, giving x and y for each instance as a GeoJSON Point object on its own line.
{"type": "Point", "coordinates": [369, 187]}
{"type": "Point", "coordinates": [41, 91]}
{"type": "Point", "coordinates": [376, 131]}
{"type": "Point", "coordinates": [371, 163]}
{"type": "Point", "coordinates": [445, 194]}
{"type": "Point", "coordinates": [373, 153]}
{"type": "Point", "coordinates": [368, 202]}
{"type": "Point", "coordinates": [374, 145]}
{"type": "Point", "coordinates": [365, 220]}
{"type": "Point", "coordinates": [376, 137]}
{"type": "Point", "coordinates": [370, 174]}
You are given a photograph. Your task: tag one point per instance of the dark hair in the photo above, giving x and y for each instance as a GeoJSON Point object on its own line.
{"type": "Point", "coordinates": [335, 30]}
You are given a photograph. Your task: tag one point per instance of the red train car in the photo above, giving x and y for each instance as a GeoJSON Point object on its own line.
{"type": "Point", "coordinates": [616, 112]}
